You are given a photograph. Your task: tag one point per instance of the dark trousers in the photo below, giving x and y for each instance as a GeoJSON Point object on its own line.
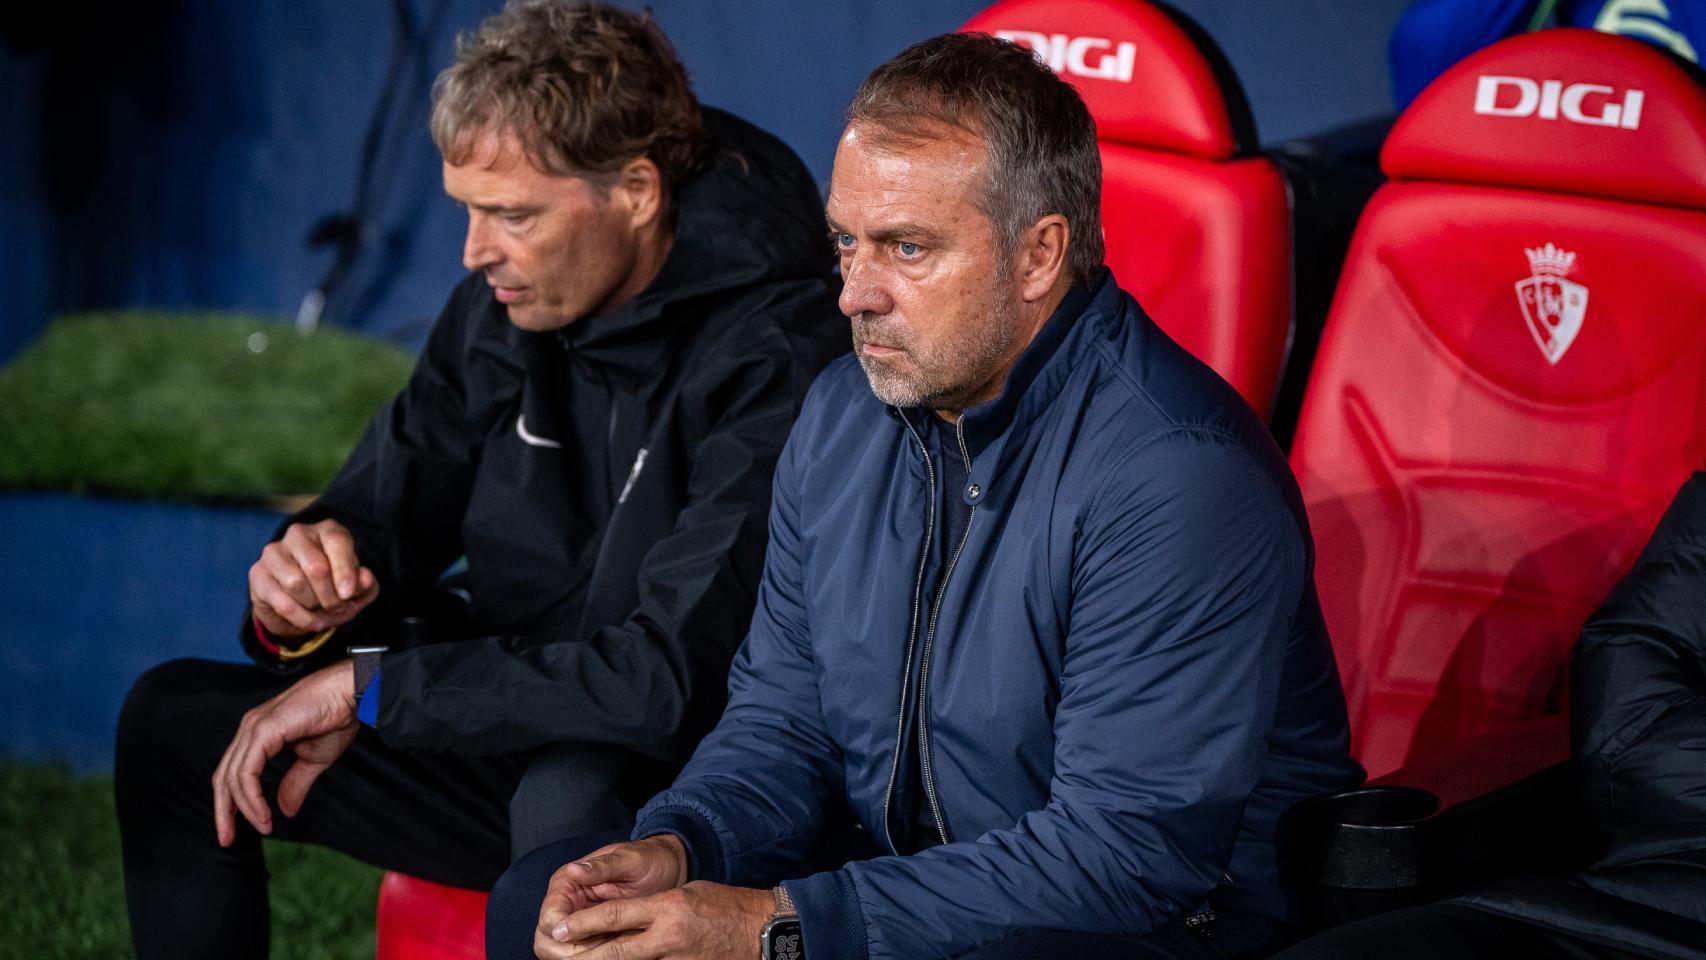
{"type": "Point", "coordinates": [442, 817]}
{"type": "Point", "coordinates": [512, 915]}
{"type": "Point", "coordinates": [1447, 931]}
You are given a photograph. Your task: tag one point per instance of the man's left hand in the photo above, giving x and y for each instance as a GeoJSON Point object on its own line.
{"type": "Point", "coordinates": [700, 921]}
{"type": "Point", "coordinates": [315, 717]}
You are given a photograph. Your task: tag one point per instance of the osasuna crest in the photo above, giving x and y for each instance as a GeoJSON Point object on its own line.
{"type": "Point", "coordinates": [1553, 306]}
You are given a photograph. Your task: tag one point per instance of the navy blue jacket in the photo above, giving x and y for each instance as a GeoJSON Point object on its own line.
{"type": "Point", "coordinates": [1126, 677]}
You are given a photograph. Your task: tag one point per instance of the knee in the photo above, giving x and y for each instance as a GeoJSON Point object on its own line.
{"type": "Point", "coordinates": [512, 913]}
{"type": "Point", "coordinates": [180, 713]}
{"type": "Point", "coordinates": [513, 910]}
{"type": "Point", "coordinates": [568, 790]}
{"type": "Point", "coordinates": [150, 707]}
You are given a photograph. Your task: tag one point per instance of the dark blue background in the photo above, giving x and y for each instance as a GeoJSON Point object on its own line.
{"type": "Point", "coordinates": [178, 152]}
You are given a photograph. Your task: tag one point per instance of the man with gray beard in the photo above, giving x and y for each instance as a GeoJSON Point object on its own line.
{"type": "Point", "coordinates": [1037, 627]}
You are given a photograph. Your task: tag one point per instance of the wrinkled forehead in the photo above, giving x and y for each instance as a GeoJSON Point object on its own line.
{"type": "Point", "coordinates": [881, 166]}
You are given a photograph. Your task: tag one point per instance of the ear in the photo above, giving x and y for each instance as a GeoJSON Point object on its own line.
{"type": "Point", "coordinates": [1040, 259]}
{"type": "Point", "coordinates": [639, 185]}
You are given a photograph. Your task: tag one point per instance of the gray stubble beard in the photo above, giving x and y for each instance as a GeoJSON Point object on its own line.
{"type": "Point", "coordinates": [946, 379]}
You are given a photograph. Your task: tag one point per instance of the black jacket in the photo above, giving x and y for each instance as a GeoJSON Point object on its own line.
{"type": "Point", "coordinates": [608, 483]}
{"type": "Point", "coordinates": [1638, 726]}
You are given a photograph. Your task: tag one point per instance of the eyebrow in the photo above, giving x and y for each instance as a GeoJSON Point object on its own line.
{"type": "Point", "coordinates": [905, 229]}
{"type": "Point", "coordinates": [503, 208]}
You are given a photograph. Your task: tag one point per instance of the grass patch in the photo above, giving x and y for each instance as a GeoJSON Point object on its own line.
{"type": "Point", "coordinates": [188, 406]}
{"type": "Point", "coordinates": [63, 885]}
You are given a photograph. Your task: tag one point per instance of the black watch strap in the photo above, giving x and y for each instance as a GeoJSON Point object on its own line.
{"type": "Point", "coordinates": [366, 665]}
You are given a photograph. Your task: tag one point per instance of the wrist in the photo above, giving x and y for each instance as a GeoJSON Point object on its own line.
{"type": "Point", "coordinates": [678, 855]}
{"type": "Point", "coordinates": [782, 937]}
{"type": "Point", "coordinates": [343, 681]}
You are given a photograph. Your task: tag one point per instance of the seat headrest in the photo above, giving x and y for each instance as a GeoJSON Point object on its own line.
{"type": "Point", "coordinates": [1566, 110]}
{"type": "Point", "coordinates": [1150, 76]}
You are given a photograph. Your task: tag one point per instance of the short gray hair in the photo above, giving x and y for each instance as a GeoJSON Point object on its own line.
{"type": "Point", "coordinates": [1041, 139]}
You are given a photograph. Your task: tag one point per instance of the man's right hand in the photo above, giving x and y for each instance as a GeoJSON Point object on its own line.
{"type": "Point", "coordinates": [310, 580]}
{"type": "Point", "coordinates": [638, 868]}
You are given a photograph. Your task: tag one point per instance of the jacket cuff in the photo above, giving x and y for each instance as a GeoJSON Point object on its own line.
{"type": "Point", "coordinates": [704, 850]}
{"type": "Point", "coordinates": [831, 921]}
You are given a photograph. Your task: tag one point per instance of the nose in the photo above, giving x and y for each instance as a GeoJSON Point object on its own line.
{"type": "Point", "coordinates": [478, 250]}
{"type": "Point", "coordinates": [864, 288]}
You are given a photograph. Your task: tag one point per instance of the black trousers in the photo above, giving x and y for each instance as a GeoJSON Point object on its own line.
{"type": "Point", "coordinates": [451, 819]}
{"type": "Point", "coordinates": [512, 915]}
{"type": "Point", "coordinates": [1448, 931]}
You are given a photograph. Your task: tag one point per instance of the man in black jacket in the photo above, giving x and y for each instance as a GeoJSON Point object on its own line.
{"type": "Point", "coordinates": [1638, 736]}
{"type": "Point", "coordinates": [592, 425]}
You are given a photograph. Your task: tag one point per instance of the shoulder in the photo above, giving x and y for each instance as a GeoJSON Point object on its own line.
{"type": "Point", "coordinates": [839, 421]}
{"type": "Point", "coordinates": [841, 397]}
{"type": "Point", "coordinates": [784, 330]}
{"type": "Point", "coordinates": [1171, 438]}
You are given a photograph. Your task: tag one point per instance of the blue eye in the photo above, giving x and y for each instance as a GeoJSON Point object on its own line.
{"type": "Point", "coordinates": [908, 249]}
{"type": "Point", "coordinates": [844, 240]}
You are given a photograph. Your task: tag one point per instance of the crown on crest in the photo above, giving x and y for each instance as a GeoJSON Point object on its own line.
{"type": "Point", "coordinates": [1550, 260]}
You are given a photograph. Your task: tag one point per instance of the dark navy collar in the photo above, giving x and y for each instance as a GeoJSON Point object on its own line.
{"type": "Point", "coordinates": [984, 422]}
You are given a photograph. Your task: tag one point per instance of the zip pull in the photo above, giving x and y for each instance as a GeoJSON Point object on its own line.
{"type": "Point", "coordinates": [634, 474]}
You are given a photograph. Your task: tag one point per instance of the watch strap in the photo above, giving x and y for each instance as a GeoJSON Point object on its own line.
{"type": "Point", "coordinates": [366, 666]}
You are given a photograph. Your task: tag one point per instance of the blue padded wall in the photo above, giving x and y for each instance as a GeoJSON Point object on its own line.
{"type": "Point", "coordinates": [177, 153]}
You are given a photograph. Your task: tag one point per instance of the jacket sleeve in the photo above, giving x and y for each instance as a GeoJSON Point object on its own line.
{"type": "Point", "coordinates": [1186, 577]}
{"type": "Point", "coordinates": [654, 682]}
{"type": "Point", "coordinates": [1638, 687]}
{"type": "Point", "coordinates": [749, 805]}
{"type": "Point", "coordinates": [403, 489]}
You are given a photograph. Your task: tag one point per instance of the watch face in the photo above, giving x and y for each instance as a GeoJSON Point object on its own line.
{"type": "Point", "coordinates": [782, 940]}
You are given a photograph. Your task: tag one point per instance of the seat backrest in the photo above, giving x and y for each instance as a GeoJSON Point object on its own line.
{"type": "Point", "coordinates": [1195, 221]}
{"type": "Point", "coordinates": [1511, 384]}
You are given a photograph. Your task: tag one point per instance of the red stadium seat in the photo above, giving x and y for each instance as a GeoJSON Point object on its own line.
{"type": "Point", "coordinates": [1196, 221]}
{"type": "Point", "coordinates": [420, 920]}
{"type": "Point", "coordinates": [1510, 387]}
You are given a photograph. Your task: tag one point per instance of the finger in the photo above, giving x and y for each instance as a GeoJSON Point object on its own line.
{"type": "Point", "coordinates": [607, 864]}
{"type": "Point", "coordinates": [310, 555]}
{"type": "Point", "coordinates": [280, 566]}
{"type": "Point", "coordinates": [609, 917]}
{"type": "Point", "coordinates": [228, 775]}
{"type": "Point", "coordinates": [293, 789]}
{"type": "Point", "coordinates": [287, 617]}
{"type": "Point", "coordinates": [547, 949]}
{"type": "Point", "coordinates": [243, 778]}
{"type": "Point", "coordinates": [339, 548]}
{"type": "Point", "coordinates": [367, 590]}
{"type": "Point", "coordinates": [630, 947]}
{"type": "Point", "coordinates": [367, 587]}
{"type": "Point", "coordinates": [224, 816]}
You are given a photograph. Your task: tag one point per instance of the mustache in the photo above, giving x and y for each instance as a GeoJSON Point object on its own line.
{"type": "Point", "coordinates": [868, 328]}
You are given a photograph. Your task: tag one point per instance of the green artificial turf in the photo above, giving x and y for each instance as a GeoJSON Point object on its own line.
{"type": "Point", "coordinates": [63, 889]}
{"type": "Point", "coordinates": [188, 406]}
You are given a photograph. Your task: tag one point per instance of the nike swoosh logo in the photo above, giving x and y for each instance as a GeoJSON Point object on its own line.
{"type": "Point", "coordinates": [533, 440]}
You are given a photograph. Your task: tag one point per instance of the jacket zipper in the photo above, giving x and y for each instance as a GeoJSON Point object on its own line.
{"type": "Point", "coordinates": [929, 640]}
{"type": "Point", "coordinates": [912, 634]}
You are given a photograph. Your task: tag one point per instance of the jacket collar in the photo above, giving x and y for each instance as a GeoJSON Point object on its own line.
{"type": "Point", "coordinates": [1038, 373]}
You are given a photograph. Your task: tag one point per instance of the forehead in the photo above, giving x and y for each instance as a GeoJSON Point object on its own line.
{"type": "Point", "coordinates": [881, 176]}
{"type": "Point", "coordinates": [497, 169]}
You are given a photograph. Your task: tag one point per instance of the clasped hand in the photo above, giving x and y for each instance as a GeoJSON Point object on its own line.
{"type": "Point", "coordinates": [632, 901]}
